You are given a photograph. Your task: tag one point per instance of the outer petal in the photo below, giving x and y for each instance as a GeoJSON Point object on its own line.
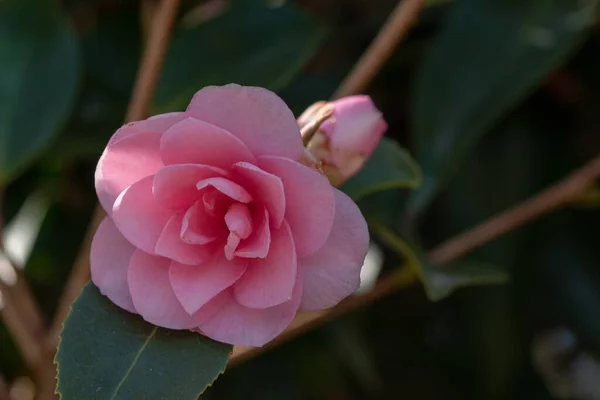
{"type": "Point", "coordinates": [270, 281]}
{"type": "Point", "coordinates": [235, 324]}
{"type": "Point", "coordinates": [156, 124]}
{"type": "Point", "coordinates": [109, 262]}
{"type": "Point", "coordinates": [125, 162]}
{"type": "Point", "coordinates": [171, 245]}
{"type": "Point", "coordinates": [198, 142]}
{"type": "Point", "coordinates": [175, 185]}
{"type": "Point", "coordinates": [139, 217]}
{"type": "Point", "coordinates": [264, 187]}
{"type": "Point", "coordinates": [258, 243]}
{"type": "Point", "coordinates": [196, 285]}
{"type": "Point", "coordinates": [152, 294]}
{"type": "Point", "coordinates": [310, 204]}
{"type": "Point", "coordinates": [255, 115]}
{"type": "Point", "coordinates": [333, 272]}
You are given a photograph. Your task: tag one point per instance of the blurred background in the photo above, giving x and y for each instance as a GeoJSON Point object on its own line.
{"type": "Point", "coordinates": [495, 99]}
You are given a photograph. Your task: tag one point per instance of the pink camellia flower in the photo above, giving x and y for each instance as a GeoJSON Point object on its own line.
{"type": "Point", "coordinates": [215, 225]}
{"type": "Point", "coordinates": [346, 140]}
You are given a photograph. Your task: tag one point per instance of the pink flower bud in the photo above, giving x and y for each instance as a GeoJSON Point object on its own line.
{"type": "Point", "coordinates": [346, 140]}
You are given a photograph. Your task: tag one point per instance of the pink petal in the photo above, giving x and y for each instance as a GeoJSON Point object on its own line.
{"type": "Point", "coordinates": [139, 217]}
{"type": "Point", "coordinates": [215, 202]}
{"type": "Point", "coordinates": [197, 142]}
{"type": "Point", "coordinates": [333, 272]}
{"type": "Point", "coordinates": [109, 262]}
{"type": "Point", "coordinates": [226, 187]}
{"type": "Point", "coordinates": [152, 294]}
{"type": "Point", "coordinates": [264, 187]}
{"type": "Point", "coordinates": [199, 227]}
{"type": "Point", "coordinates": [196, 285]}
{"type": "Point", "coordinates": [356, 127]}
{"type": "Point", "coordinates": [239, 220]}
{"type": "Point", "coordinates": [310, 205]}
{"type": "Point", "coordinates": [171, 246]}
{"type": "Point", "coordinates": [270, 281]}
{"type": "Point", "coordinates": [175, 185]}
{"type": "Point", "coordinates": [155, 124]}
{"type": "Point", "coordinates": [258, 243]}
{"type": "Point", "coordinates": [125, 162]}
{"type": "Point", "coordinates": [255, 115]}
{"type": "Point", "coordinates": [233, 240]}
{"type": "Point", "coordinates": [239, 223]}
{"type": "Point", "coordinates": [235, 324]}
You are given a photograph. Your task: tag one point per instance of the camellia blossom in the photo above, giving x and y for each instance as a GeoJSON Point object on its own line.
{"type": "Point", "coordinates": [215, 225]}
{"type": "Point", "coordinates": [347, 138]}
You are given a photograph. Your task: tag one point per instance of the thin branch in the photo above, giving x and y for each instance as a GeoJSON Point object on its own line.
{"type": "Point", "coordinates": [563, 192]}
{"type": "Point", "coordinates": [382, 47]}
{"type": "Point", "coordinates": [141, 98]}
{"type": "Point", "coordinates": [306, 321]}
{"type": "Point", "coordinates": [4, 394]}
{"type": "Point", "coordinates": [29, 345]}
{"type": "Point", "coordinates": [559, 194]}
{"type": "Point", "coordinates": [152, 60]}
{"type": "Point", "coordinates": [20, 311]}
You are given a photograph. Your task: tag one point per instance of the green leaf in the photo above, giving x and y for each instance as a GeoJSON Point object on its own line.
{"type": "Point", "coordinates": [40, 63]}
{"type": "Point", "coordinates": [108, 353]}
{"type": "Point", "coordinates": [250, 45]}
{"type": "Point", "coordinates": [390, 166]}
{"type": "Point", "coordinates": [441, 281]}
{"type": "Point", "coordinates": [490, 55]}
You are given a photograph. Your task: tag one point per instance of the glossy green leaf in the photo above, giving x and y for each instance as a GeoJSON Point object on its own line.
{"type": "Point", "coordinates": [441, 281]}
{"type": "Point", "coordinates": [390, 166]}
{"type": "Point", "coordinates": [250, 45]}
{"type": "Point", "coordinates": [489, 56]}
{"type": "Point", "coordinates": [39, 56]}
{"type": "Point", "coordinates": [108, 353]}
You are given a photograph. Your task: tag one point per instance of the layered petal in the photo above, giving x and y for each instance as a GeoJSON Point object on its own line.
{"type": "Point", "coordinates": [227, 187]}
{"type": "Point", "coordinates": [333, 272]}
{"type": "Point", "coordinates": [125, 162]}
{"type": "Point", "coordinates": [255, 115]}
{"type": "Point", "coordinates": [239, 223]}
{"type": "Point", "coordinates": [270, 281]}
{"type": "Point", "coordinates": [235, 324]}
{"type": "Point", "coordinates": [139, 217]}
{"type": "Point", "coordinates": [264, 187]}
{"type": "Point", "coordinates": [152, 294]}
{"type": "Point", "coordinates": [310, 205]}
{"type": "Point", "coordinates": [258, 243]}
{"type": "Point", "coordinates": [171, 245]}
{"type": "Point", "coordinates": [175, 185]}
{"type": "Point", "coordinates": [200, 227]}
{"type": "Point", "coordinates": [109, 261]}
{"type": "Point", "coordinates": [196, 285]}
{"type": "Point", "coordinates": [198, 142]}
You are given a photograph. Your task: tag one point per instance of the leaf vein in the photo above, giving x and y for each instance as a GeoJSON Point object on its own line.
{"type": "Point", "coordinates": [135, 359]}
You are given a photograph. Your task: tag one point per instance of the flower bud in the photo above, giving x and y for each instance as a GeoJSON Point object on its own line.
{"type": "Point", "coordinates": [346, 139]}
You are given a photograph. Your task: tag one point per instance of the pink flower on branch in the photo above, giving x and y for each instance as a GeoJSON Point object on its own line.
{"type": "Point", "coordinates": [215, 225]}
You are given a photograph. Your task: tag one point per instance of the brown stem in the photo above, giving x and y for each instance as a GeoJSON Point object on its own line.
{"type": "Point", "coordinates": [559, 194]}
{"type": "Point", "coordinates": [139, 105]}
{"type": "Point", "coordinates": [4, 394]}
{"type": "Point", "coordinates": [382, 47]}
